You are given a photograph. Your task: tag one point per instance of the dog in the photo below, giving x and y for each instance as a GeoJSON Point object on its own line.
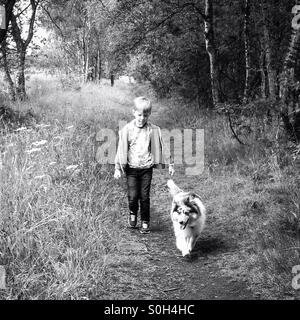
{"type": "Point", "coordinates": [188, 215]}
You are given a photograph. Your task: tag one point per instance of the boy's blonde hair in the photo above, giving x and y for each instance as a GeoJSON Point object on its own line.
{"type": "Point", "coordinates": [142, 103]}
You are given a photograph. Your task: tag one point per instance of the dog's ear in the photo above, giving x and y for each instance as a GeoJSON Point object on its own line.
{"type": "Point", "coordinates": [174, 207]}
{"type": "Point", "coordinates": [195, 196]}
{"type": "Point", "coordinates": [197, 205]}
{"type": "Point", "coordinates": [194, 215]}
{"type": "Point", "coordinates": [174, 215]}
{"type": "Point", "coordinates": [192, 196]}
{"type": "Point", "coordinates": [193, 203]}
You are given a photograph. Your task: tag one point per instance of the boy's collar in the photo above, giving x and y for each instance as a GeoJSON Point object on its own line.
{"type": "Point", "coordinates": [146, 123]}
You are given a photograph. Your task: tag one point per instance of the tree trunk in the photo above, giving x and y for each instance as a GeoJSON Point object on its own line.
{"type": "Point", "coordinates": [20, 85]}
{"type": "Point", "coordinates": [11, 86]}
{"type": "Point", "coordinates": [85, 61]}
{"type": "Point", "coordinates": [86, 66]}
{"type": "Point", "coordinates": [79, 61]}
{"type": "Point", "coordinates": [290, 120]}
{"type": "Point", "coordinates": [262, 72]}
{"type": "Point", "coordinates": [98, 66]}
{"type": "Point", "coordinates": [247, 50]}
{"type": "Point", "coordinates": [22, 47]}
{"type": "Point", "coordinates": [271, 73]}
{"type": "Point", "coordinates": [211, 50]}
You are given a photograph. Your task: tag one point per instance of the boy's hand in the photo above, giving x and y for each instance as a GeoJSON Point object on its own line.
{"type": "Point", "coordinates": [171, 170]}
{"type": "Point", "coordinates": [117, 174]}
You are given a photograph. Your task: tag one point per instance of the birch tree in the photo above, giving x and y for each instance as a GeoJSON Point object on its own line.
{"type": "Point", "coordinates": [80, 27]}
{"type": "Point", "coordinates": [209, 32]}
{"type": "Point", "coordinates": [266, 39]}
{"type": "Point", "coordinates": [247, 50]}
{"type": "Point", "coordinates": [289, 90]}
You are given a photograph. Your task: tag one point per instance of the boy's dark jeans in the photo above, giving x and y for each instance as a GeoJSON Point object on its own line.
{"type": "Point", "coordinates": [138, 184]}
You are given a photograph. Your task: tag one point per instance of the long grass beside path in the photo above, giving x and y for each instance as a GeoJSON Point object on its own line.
{"type": "Point", "coordinates": [57, 203]}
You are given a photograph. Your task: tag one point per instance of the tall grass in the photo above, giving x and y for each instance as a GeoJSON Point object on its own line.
{"type": "Point", "coordinates": [57, 203]}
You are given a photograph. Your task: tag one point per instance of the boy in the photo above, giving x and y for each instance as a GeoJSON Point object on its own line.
{"type": "Point", "coordinates": [140, 150]}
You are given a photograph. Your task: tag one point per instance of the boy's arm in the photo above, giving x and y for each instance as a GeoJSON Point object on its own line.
{"type": "Point", "coordinates": [118, 167]}
{"type": "Point", "coordinates": [169, 161]}
{"type": "Point", "coordinates": [121, 155]}
{"type": "Point", "coordinates": [171, 169]}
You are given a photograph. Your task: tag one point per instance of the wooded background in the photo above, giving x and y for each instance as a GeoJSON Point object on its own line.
{"type": "Point", "coordinates": [222, 54]}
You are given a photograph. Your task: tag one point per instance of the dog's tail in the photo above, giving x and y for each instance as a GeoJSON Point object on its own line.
{"type": "Point", "coordinates": [173, 188]}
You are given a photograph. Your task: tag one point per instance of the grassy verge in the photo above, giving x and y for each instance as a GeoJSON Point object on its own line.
{"type": "Point", "coordinates": [57, 203]}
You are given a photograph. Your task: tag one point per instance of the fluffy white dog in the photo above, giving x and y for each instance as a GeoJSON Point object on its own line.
{"type": "Point", "coordinates": [188, 215]}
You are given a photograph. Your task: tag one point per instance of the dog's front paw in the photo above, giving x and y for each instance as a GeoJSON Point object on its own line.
{"type": "Point", "coordinates": [188, 257]}
{"type": "Point", "coordinates": [186, 252]}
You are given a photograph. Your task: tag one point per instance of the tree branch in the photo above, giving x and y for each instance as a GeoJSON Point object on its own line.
{"type": "Point", "coordinates": [16, 33]}
{"type": "Point", "coordinates": [34, 5]}
{"type": "Point", "coordinates": [52, 20]}
{"type": "Point", "coordinates": [160, 23]}
{"type": "Point", "coordinates": [187, 4]}
{"type": "Point", "coordinates": [232, 130]}
{"type": "Point", "coordinates": [17, 15]}
{"type": "Point", "coordinates": [198, 10]}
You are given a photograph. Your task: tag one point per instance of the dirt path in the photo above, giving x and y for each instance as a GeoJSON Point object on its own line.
{"type": "Point", "coordinates": [150, 266]}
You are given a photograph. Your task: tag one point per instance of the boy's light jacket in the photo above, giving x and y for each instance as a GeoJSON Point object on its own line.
{"type": "Point", "coordinates": [156, 147]}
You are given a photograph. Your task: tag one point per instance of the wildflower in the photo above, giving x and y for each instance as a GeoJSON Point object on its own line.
{"type": "Point", "coordinates": [33, 150]}
{"type": "Point", "coordinates": [43, 125]}
{"type": "Point", "coordinates": [39, 143]}
{"type": "Point", "coordinates": [21, 129]}
{"type": "Point", "coordinates": [72, 167]}
{"type": "Point", "coordinates": [39, 177]}
{"type": "Point", "coordinates": [42, 177]}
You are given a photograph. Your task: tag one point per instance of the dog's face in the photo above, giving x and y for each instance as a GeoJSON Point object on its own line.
{"type": "Point", "coordinates": [182, 215]}
{"type": "Point", "coordinates": [184, 209]}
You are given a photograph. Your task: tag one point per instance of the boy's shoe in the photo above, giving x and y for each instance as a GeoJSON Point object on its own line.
{"type": "Point", "coordinates": [145, 227]}
{"type": "Point", "coordinates": [132, 220]}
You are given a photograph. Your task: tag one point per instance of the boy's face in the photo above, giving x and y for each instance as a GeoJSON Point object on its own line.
{"type": "Point", "coordinates": [141, 117]}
